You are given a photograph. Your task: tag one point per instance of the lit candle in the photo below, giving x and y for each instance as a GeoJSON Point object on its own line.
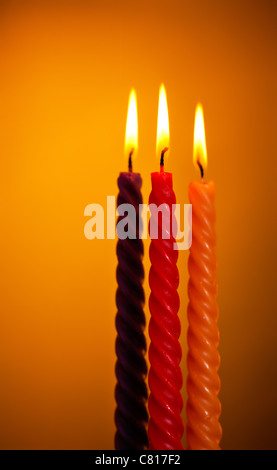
{"type": "Point", "coordinates": [131, 415]}
{"type": "Point", "coordinates": [165, 378]}
{"type": "Point", "coordinates": [203, 384]}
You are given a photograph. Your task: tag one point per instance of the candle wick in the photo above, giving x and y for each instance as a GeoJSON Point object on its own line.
{"type": "Point", "coordinates": [201, 169]}
{"type": "Point", "coordinates": [162, 158]}
{"type": "Point", "coordinates": [130, 163]}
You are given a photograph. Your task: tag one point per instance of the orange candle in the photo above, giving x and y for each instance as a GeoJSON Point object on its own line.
{"type": "Point", "coordinates": [203, 383]}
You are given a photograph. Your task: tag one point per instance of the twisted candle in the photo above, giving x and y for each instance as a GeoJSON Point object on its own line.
{"type": "Point", "coordinates": [131, 392]}
{"type": "Point", "coordinates": [165, 378]}
{"type": "Point", "coordinates": [203, 384]}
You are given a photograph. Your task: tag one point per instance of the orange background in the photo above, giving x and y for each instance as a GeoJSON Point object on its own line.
{"type": "Point", "coordinates": [66, 72]}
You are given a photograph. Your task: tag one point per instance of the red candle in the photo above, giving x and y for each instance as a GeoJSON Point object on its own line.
{"type": "Point", "coordinates": [203, 383]}
{"type": "Point", "coordinates": [165, 378]}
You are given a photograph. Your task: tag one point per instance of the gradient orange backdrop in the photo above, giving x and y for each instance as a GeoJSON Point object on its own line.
{"type": "Point", "coordinates": [66, 72]}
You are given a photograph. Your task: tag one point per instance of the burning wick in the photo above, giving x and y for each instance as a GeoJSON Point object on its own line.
{"type": "Point", "coordinates": [201, 169]}
{"type": "Point", "coordinates": [130, 164]}
{"type": "Point", "coordinates": [162, 158]}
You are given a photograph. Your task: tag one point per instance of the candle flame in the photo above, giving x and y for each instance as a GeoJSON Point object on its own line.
{"type": "Point", "coordinates": [199, 144]}
{"type": "Point", "coordinates": [163, 124]}
{"type": "Point", "coordinates": [131, 134]}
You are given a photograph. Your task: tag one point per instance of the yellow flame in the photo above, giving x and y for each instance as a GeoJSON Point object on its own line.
{"type": "Point", "coordinates": [199, 143]}
{"type": "Point", "coordinates": [131, 134]}
{"type": "Point", "coordinates": [163, 124]}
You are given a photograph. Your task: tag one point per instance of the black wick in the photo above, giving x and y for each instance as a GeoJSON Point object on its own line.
{"type": "Point", "coordinates": [162, 157]}
{"type": "Point", "coordinates": [201, 168]}
{"type": "Point", "coordinates": [130, 164]}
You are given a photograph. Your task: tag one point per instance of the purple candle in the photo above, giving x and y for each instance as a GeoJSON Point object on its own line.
{"type": "Point", "coordinates": [131, 415]}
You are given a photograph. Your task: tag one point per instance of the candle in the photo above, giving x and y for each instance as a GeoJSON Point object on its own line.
{"type": "Point", "coordinates": [203, 384]}
{"type": "Point", "coordinates": [131, 415]}
{"type": "Point", "coordinates": [165, 378]}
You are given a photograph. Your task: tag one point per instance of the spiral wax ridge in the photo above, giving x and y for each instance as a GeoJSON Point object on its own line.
{"type": "Point", "coordinates": [203, 383]}
{"type": "Point", "coordinates": [165, 378]}
{"type": "Point", "coordinates": [131, 415]}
